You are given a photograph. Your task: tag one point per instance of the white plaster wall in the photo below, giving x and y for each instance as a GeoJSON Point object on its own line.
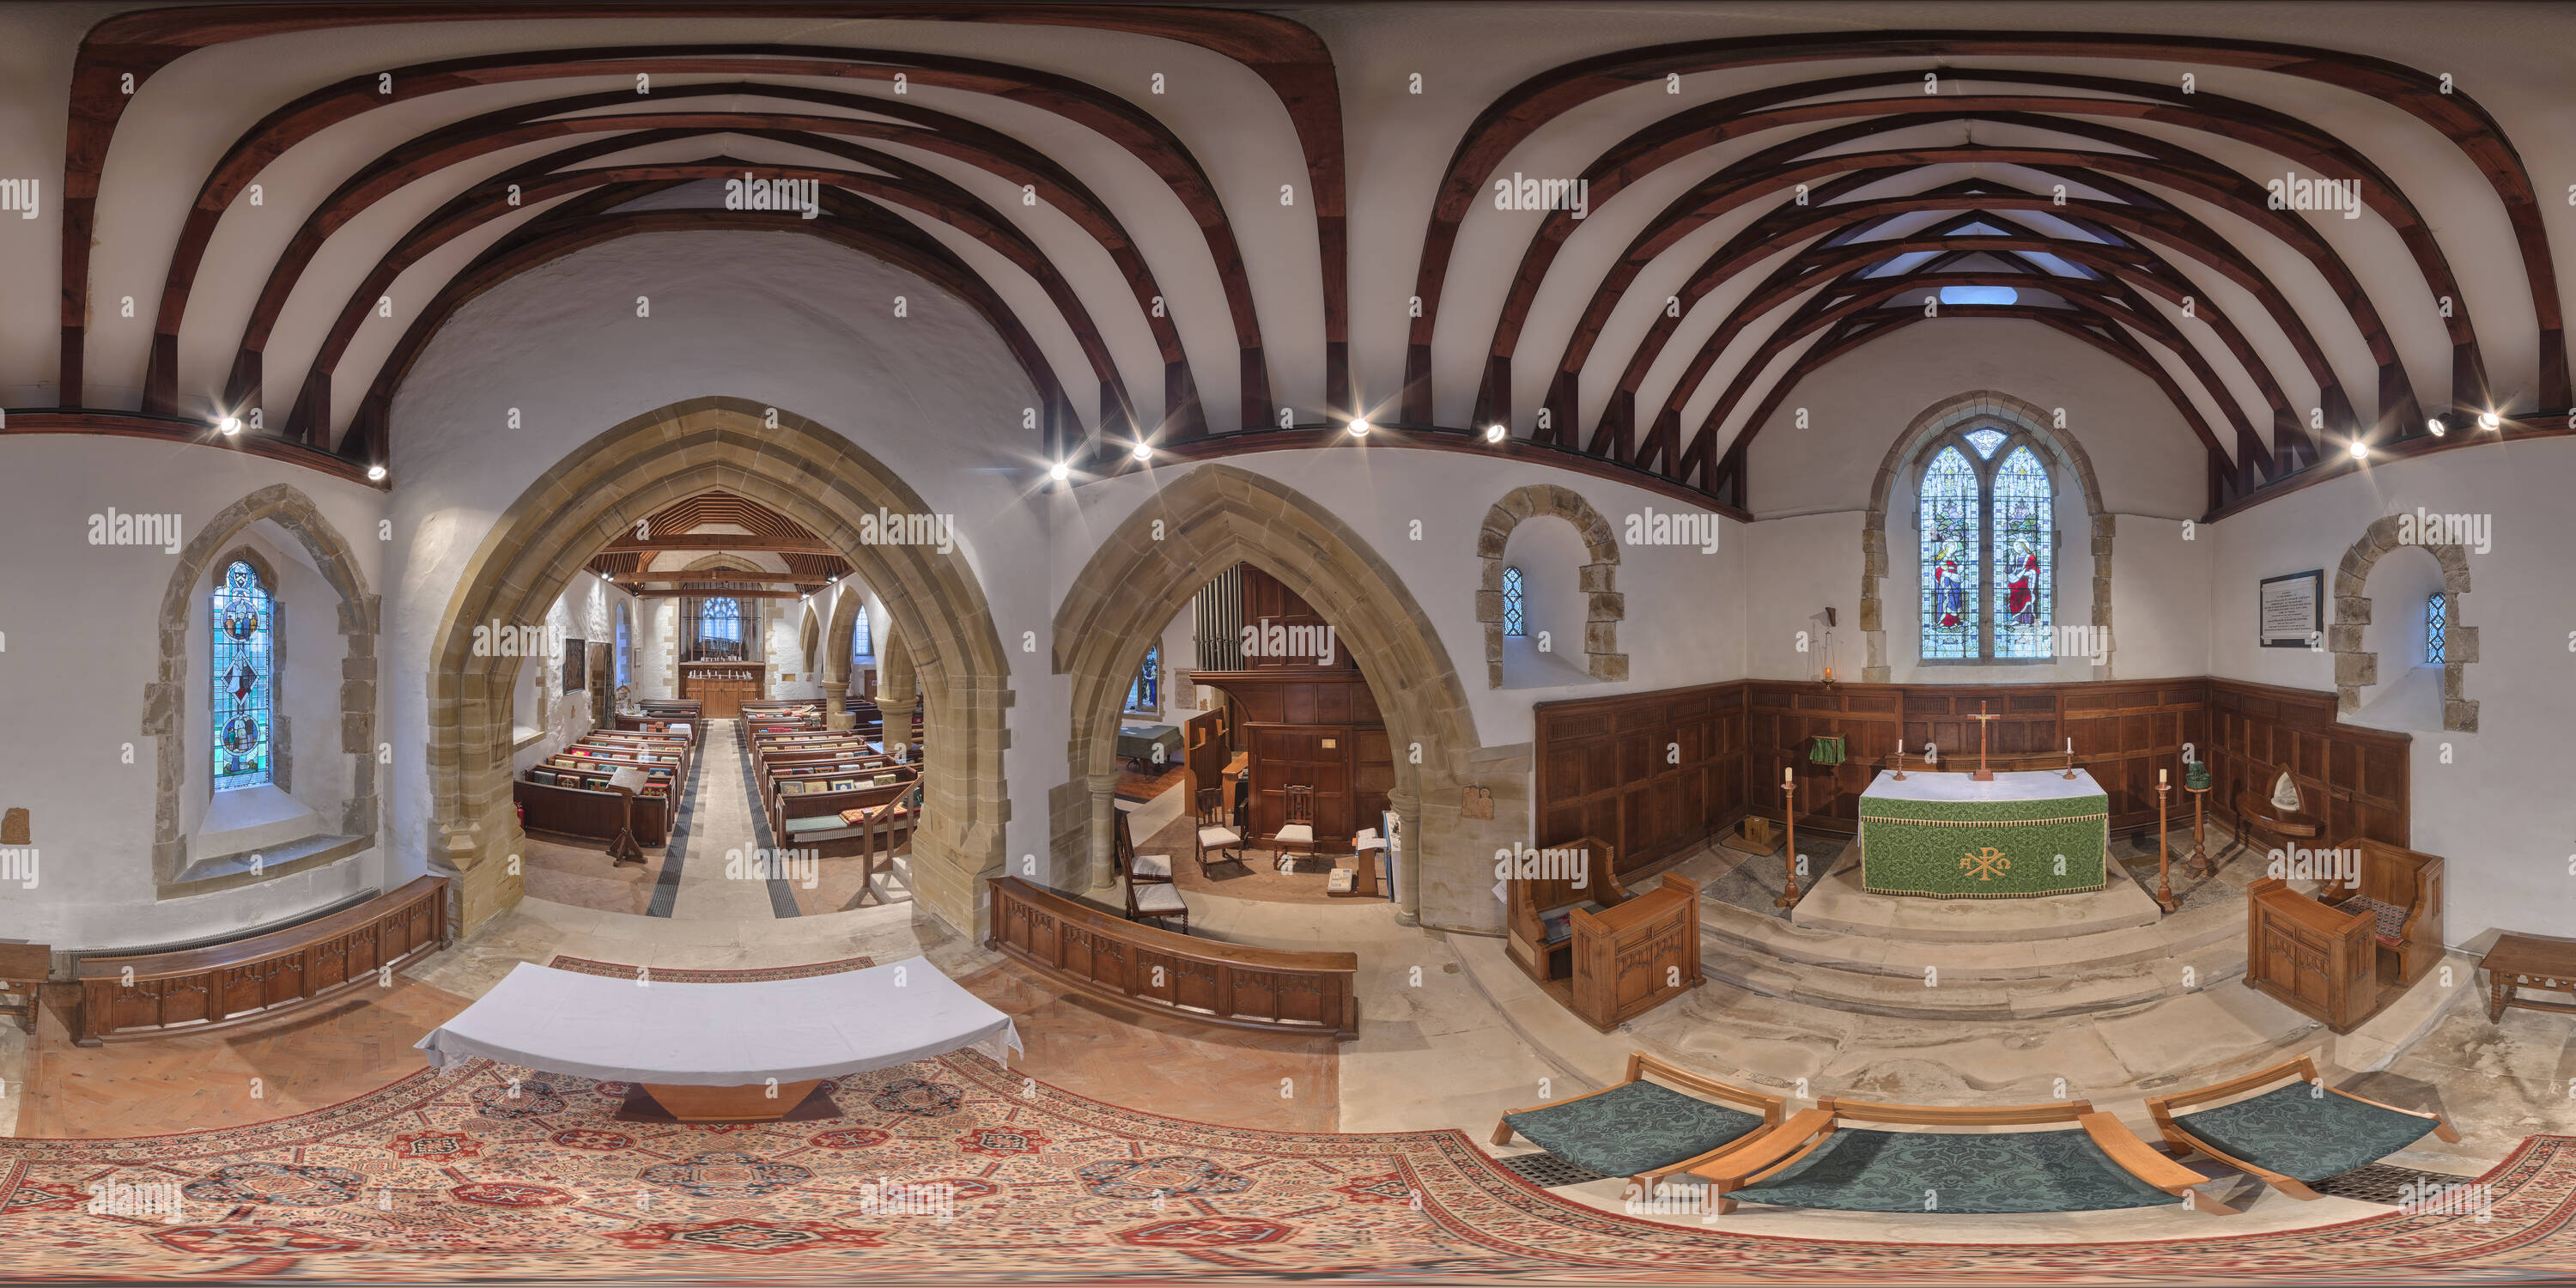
{"type": "Point", "coordinates": [781, 320]}
{"type": "Point", "coordinates": [586, 611]}
{"type": "Point", "coordinates": [79, 640]}
{"type": "Point", "coordinates": [2494, 803]}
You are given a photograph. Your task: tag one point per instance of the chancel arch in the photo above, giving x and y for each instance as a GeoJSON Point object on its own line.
{"type": "Point", "coordinates": [1212, 518]}
{"type": "Point", "coordinates": [814, 477]}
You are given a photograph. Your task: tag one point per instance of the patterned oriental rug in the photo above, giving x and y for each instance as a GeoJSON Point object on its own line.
{"type": "Point", "coordinates": [959, 1170]}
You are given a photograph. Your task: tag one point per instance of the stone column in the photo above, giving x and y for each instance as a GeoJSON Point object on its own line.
{"type": "Point", "coordinates": [1104, 817]}
{"type": "Point", "coordinates": [1408, 810]}
{"type": "Point", "coordinates": [836, 714]}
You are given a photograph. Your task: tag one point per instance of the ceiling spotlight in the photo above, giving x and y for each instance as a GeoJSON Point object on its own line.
{"type": "Point", "coordinates": [1496, 433]}
{"type": "Point", "coordinates": [375, 473]}
{"type": "Point", "coordinates": [1059, 472]}
{"type": "Point", "coordinates": [229, 425]}
{"type": "Point", "coordinates": [1359, 427]}
{"type": "Point", "coordinates": [2435, 427]}
{"type": "Point", "coordinates": [2490, 421]}
{"type": "Point", "coordinates": [1144, 450]}
{"type": "Point", "coordinates": [2360, 450]}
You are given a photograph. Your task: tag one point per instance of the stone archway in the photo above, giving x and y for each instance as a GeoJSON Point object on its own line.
{"type": "Point", "coordinates": [1933, 421]}
{"type": "Point", "coordinates": [1209, 519]}
{"type": "Point", "coordinates": [165, 697]}
{"type": "Point", "coordinates": [800, 469]}
{"type": "Point", "coordinates": [1605, 606]}
{"type": "Point", "coordinates": [2356, 668]}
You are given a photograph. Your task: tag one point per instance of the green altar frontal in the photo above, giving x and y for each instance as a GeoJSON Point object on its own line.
{"type": "Point", "coordinates": [1947, 836]}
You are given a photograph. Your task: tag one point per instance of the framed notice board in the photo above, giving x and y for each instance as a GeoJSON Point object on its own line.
{"type": "Point", "coordinates": [2290, 610]}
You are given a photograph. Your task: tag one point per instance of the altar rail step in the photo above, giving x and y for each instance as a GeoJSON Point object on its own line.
{"type": "Point", "coordinates": [1906, 995]}
{"type": "Point", "coordinates": [1727, 928]}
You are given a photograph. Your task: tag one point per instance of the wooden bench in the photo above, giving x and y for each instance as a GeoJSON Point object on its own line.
{"type": "Point", "coordinates": [2178, 1133]}
{"type": "Point", "coordinates": [1198, 979]}
{"type": "Point", "coordinates": [220, 985]}
{"type": "Point", "coordinates": [1773, 1151]}
{"type": "Point", "coordinates": [813, 819]}
{"type": "Point", "coordinates": [2401, 889]}
{"type": "Point", "coordinates": [591, 815]}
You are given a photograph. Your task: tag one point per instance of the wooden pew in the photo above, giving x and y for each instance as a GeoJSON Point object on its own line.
{"type": "Point", "coordinates": [796, 820]}
{"type": "Point", "coordinates": [220, 985]}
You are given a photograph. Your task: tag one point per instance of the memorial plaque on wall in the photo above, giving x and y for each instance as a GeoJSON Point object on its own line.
{"type": "Point", "coordinates": [2290, 611]}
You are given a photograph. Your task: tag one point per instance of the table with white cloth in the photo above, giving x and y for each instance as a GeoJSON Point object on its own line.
{"type": "Point", "coordinates": [722, 1052]}
{"type": "Point", "coordinates": [2019, 836]}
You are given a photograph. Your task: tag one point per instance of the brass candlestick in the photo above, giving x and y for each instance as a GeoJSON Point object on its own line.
{"type": "Point", "coordinates": [2164, 871]}
{"type": "Point", "coordinates": [1900, 762]}
{"type": "Point", "coordinates": [1789, 853]}
{"type": "Point", "coordinates": [2070, 761]}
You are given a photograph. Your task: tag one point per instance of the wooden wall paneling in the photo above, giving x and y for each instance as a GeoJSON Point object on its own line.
{"type": "Point", "coordinates": [2355, 780]}
{"type": "Point", "coordinates": [1265, 599]}
{"type": "Point", "coordinates": [1651, 773]}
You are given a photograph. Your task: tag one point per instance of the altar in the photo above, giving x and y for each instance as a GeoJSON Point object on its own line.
{"type": "Point", "coordinates": [2019, 836]}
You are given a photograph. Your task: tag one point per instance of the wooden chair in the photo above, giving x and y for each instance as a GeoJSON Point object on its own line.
{"type": "Point", "coordinates": [23, 968]}
{"type": "Point", "coordinates": [1143, 869]}
{"type": "Point", "coordinates": [1215, 833]}
{"type": "Point", "coordinates": [1297, 827]}
{"type": "Point", "coordinates": [1156, 901]}
{"type": "Point", "coordinates": [2401, 889]}
{"type": "Point", "coordinates": [2262, 825]}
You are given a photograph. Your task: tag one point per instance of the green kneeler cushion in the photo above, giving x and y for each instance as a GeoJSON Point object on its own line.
{"type": "Point", "coordinates": [2305, 1136]}
{"type": "Point", "coordinates": [1860, 1170]}
{"type": "Point", "coordinates": [1632, 1128]}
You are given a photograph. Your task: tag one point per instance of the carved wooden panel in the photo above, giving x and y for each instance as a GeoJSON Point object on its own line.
{"type": "Point", "coordinates": [1651, 773]}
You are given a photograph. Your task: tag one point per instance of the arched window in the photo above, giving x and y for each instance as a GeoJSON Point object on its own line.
{"type": "Point", "coordinates": [1145, 692]}
{"type": "Point", "coordinates": [1988, 535]}
{"type": "Point", "coordinates": [1514, 623]}
{"type": "Point", "coordinates": [861, 643]}
{"type": "Point", "coordinates": [2437, 616]}
{"type": "Point", "coordinates": [622, 661]}
{"type": "Point", "coordinates": [245, 698]}
{"type": "Point", "coordinates": [720, 620]}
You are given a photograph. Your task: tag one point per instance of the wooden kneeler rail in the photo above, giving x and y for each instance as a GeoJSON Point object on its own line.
{"type": "Point", "coordinates": [1772, 1108]}
{"type": "Point", "coordinates": [2304, 1069]}
{"type": "Point", "coordinates": [1767, 1153]}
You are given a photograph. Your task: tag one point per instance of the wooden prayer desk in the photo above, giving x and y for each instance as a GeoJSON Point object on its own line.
{"type": "Point", "coordinates": [2313, 958]}
{"type": "Point", "coordinates": [2529, 961]}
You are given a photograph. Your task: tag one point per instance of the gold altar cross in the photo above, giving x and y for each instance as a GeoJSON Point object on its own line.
{"type": "Point", "coordinates": [1984, 865]}
{"type": "Point", "coordinates": [1983, 774]}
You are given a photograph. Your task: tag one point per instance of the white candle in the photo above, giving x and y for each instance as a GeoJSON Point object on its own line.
{"type": "Point", "coordinates": [2070, 746]}
{"type": "Point", "coordinates": [1900, 746]}
{"type": "Point", "coordinates": [2160, 777]}
{"type": "Point", "coordinates": [1787, 775]}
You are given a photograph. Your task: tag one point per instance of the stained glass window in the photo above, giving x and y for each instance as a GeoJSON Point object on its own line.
{"type": "Point", "coordinates": [862, 642]}
{"type": "Point", "coordinates": [245, 697]}
{"type": "Point", "coordinates": [2437, 617]}
{"type": "Point", "coordinates": [1145, 692]}
{"type": "Point", "coordinates": [720, 620]}
{"type": "Point", "coordinates": [1513, 622]}
{"type": "Point", "coordinates": [1952, 554]}
{"type": "Point", "coordinates": [1986, 441]}
{"type": "Point", "coordinates": [624, 664]}
{"type": "Point", "coordinates": [2021, 540]}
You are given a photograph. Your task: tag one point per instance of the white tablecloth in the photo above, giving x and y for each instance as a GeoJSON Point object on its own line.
{"type": "Point", "coordinates": [2029, 785]}
{"type": "Point", "coordinates": [720, 1035]}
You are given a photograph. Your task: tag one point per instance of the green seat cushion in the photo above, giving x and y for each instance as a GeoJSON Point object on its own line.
{"type": "Point", "coordinates": [2298, 1133]}
{"type": "Point", "coordinates": [1632, 1128]}
{"type": "Point", "coordinates": [1861, 1170]}
{"type": "Point", "coordinates": [816, 823]}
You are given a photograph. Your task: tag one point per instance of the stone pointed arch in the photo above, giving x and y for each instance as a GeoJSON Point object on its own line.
{"type": "Point", "coordinates": [1605, 606]}
{"type": "Point", "coordinates": [804, 471]}
{"type": "Point", "coordinates": [2356, 668]}
{"type": "Point", "coordinates": [809, 638]}
{"type": "Point", "coordinates": [1938, 419]}
{"type": "Point", "coordinates": [840, 635]}
{"type": "Point", "coordinates": [165, 701]}
{"type": "Point", "coordinates": [1211, 518]}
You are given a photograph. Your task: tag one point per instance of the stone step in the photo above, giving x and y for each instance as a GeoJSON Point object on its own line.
{"type": "Point", "coordinates": [1728, 928]}
{"type": "Point", "coordinates": [1906, 995]}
